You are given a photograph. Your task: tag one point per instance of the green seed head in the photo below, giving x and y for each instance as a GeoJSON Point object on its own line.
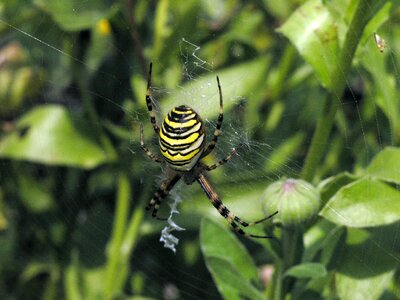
{"type": "Point", "coordinates": [297, 202]}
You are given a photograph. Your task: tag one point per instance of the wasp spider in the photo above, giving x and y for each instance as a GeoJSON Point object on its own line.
{"type": "Point", "coordinates": [182, 143]}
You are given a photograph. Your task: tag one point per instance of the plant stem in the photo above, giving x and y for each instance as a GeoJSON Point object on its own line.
{"type": "Point", "coordinates": [363, 13]}
{"type": "Point", "coordinates": [112, 280]}
{"type": "Point", "coordinates": [292, 245]}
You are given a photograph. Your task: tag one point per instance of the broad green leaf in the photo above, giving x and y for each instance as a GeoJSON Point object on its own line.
{"type": "Point", "coordinates": [364, 203]}
{"type": "Point", "coordinates": [230, 281]}
{"type": "Point", "coordinates": [307, 270]}
{"type": "Point", "coordinates": [386, 165]}
{"type": "Point", "coordinates": [313, 31]}
{"type": "Point", "coordinates": [213, 236]}
{"type": "Point", "coordinates": [51, 135]}
{"type": "Point", "coordinates": [331, 185]}
{"type": "Point", "coordinates": [322, 236]}
{"type": "Point", "coordinates": [364, 271]}
{"type": "Point", "coordinates": [357, 288]}
{"type": "Point", "coordinates": [236, 82]}
{"type": "Point", "coordinates": [77, 15]}
{"type": "Point", "coordinates": [228, 261]}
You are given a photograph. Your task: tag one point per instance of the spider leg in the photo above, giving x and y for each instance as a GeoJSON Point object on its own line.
{"type": "Point", "coordinates": [225, 212]}
{"type": "Point", "coordinates": [210, 147]}
{"type": "Point", "coordinates": [161, 193]}
{"type": "Point", "coordinates": [245, 224]}
{"type": "Point", "coordinates": [144, 148]}
{"type": "Point", "coordinates": [223, 161]}
{"type": "Point", "coordinates": [149, 101]}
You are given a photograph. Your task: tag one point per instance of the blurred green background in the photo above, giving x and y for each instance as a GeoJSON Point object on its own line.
{"type": "Point", "coordinates": [74, 181]}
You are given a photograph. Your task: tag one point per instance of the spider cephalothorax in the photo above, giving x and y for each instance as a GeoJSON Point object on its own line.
{"type": "Point", "coordinates": [182, 144]}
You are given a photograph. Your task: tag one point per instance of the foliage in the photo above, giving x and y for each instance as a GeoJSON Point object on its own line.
{"type": "Point", "coordinates": [303, 80]}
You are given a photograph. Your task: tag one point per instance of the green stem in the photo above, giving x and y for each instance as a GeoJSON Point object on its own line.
{"type": "Point", "coordinates": [132, 232]}
{"type": "Point", "coordinates": [363, 13]}
{"type": "Point", "coordinates": [274, 291]}
{"type": "Point", "coordinates": [115, 247]}
{"type": "Point", "coordinates": [276, 84]}
{"type": "Point", "coordinates": [285, 66]}
{"type": "Point", "coordinates": [292, 247]}
{"type": "Point", "coordinates": [52, 285]}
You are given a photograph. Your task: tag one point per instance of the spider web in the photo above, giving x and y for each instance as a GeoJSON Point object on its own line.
{"type": "Point", "coordinates": [244, 165]}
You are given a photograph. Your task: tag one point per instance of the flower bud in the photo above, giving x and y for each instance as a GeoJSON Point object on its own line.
{"type": "Point", "coordinates": [296, 201]}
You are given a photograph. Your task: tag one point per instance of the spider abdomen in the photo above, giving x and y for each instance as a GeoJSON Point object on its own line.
{"type": "Point", "coordinates": [182, 138]}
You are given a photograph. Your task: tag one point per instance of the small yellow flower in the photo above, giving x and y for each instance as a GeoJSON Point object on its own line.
{"type": "Point", "coordinates": [103, 26]}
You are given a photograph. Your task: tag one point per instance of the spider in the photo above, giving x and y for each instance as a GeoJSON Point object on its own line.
{"type": "Point", "coordinates": [182, 143]}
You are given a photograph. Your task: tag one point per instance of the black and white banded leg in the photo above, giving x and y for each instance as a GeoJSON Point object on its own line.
{"type": "Point", "coordinates": [145, 149]}
{"type": "Point", "coordinates": [161, 193]}
{"type": "Point", "coordinates": [149, 102]}
{"type": "Point", "coordinates": [232, 219]}
{"type": "Point", "coordinates": [210, 147]}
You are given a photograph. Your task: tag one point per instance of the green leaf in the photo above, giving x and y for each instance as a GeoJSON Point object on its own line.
{"type": "Point", "coordinates": [213, 235]}
{"type": "Point", "coordinates": [229, 280]}
{"type": "Point", "coordinates": [313, 31]}
{"type": "Point", "coordinates": [364, 203]}
{"type": "Point", "coordinates": [307, 270]}
{"type": "Point", "coordinates": [323, 236]}
{"type": "Point", "coordinates": [35, 269]}
{"type": "Point", "coordinates": [331, 185]}
{"type": "Point", "coordinates": [51, 135]}
{"type": "Point", "coordinates": [228, 261]}
{"type": "Point", "coordinates": [383, 87]}
{"type": "Point", "coordinates": [364, 271]}
{"type": "Point", "coordinates": [386, 165]}
{"type": "Point", "coordinates": [35, 195]}
{"type": "Point", "coordinates": [77, 15]}
{"type": "Point", "coordinates": [357, 288]}
{"type": "Point", "coordinates": [202, 94]}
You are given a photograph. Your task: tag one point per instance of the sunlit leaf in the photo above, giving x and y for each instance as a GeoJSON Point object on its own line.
{"type": "Point", "coordinates": [228, 261]}
{"type": "Point", "coordinates": [51, 135]}
{"type": "Point", "coordinates": [213, 235]}
{"type": "Point", "coordinates": [313, 31]}
{"type": "Point", "coordinates": [202, 94]}
{"type": "Point", "coordinates": [77, 15]}
{"type": "Point", "coordinates": [364, 271]}
{"type": "Point", "coordinates": [331, 185]}
{"type": "Point", "coordinates": [386, 165]}
{"type": "Point", "coordinates": [307, 270]}
{"type": "Point", "coordinates": [229, 280]}
{"type": "Point", "coordinates": [364, 203]}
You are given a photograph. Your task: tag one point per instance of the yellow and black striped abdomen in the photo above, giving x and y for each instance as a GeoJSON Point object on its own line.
{"type": "Point", "coordinates": [182, 138]}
